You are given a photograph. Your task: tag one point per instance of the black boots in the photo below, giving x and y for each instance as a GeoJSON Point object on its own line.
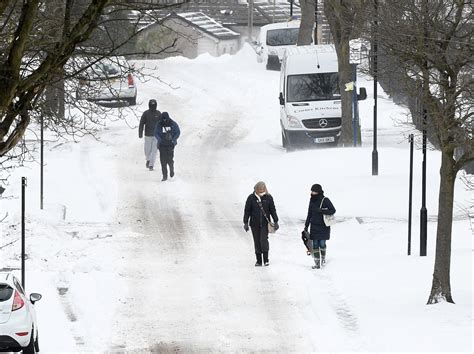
{"type": "Point", "coordinates": [265, 259]}
{"type": "Point", "coordinates": [259, 259]}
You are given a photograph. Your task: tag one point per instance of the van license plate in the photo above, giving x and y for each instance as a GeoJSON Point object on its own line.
{"type": "Point", "coordinates": [327, 139]}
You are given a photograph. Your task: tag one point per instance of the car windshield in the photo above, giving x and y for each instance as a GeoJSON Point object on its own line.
{"type": "Point", "coordinates": [313, 87]}
{"type": "Point", "coordinates": [284, 36]}
{"type": "Point", "coordinates": [6, 292]}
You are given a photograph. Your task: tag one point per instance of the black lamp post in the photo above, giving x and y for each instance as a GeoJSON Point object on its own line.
{"type": "Point", "coordinates": [425, 88]}
{"type": "Point", "coordinates": [423, 210]}
{"type": "Point", "coordinates": [23, 255]}
{"type": "Point", "coordinates": [41, 163]}
{"type": "Point", "coordinates": [375, 154]}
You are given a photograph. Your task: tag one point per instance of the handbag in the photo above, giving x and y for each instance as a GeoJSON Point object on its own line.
{"type": "Point", "coordinates": [328, 219]}
{"type": "Point", "coordinates": [270, 225]}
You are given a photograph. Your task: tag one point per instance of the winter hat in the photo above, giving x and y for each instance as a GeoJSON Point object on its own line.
{"type": "Point", "coordinates": [317, 188]}
{"type": "Point", "coordinates": [165, 116]}
{"type": "Point", "coordinates": [152, 105]}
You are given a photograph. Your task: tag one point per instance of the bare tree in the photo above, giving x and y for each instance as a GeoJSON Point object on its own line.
{"type": "Point", "coordinates": [434, 48]}
{"type": "Point", "coordinates": [40, 38]}
{"type": "Point", "coordinates": [308, 18]}
{"type": "Point", "coordinates": [344, 17]}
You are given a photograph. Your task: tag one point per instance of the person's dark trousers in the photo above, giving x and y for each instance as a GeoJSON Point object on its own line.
{"type": "Point", "coordinates": [260, 241]}
{"type": "Point", "coordinates": [259, 258]}
{"type": "Point", "coordinates": [166, 159]}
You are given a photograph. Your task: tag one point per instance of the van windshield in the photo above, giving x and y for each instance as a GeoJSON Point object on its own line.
{"type": "Point", "coordinates": [313, 87]}
{"type": "Point", "coordinates": [284, 36]}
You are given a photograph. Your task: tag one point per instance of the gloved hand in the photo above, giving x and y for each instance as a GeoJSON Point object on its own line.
{"type": "Point", "coordinates": [276, 226]}
{"type": "Point", "coordinates": [246, 227]}
{"type": "Point", "coordinates": [319, 210]}
{"type": "Point", "coordinates": [139, 136]}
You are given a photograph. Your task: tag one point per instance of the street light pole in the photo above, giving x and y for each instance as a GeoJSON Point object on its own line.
{"type": "Point", "coordinates": [316, 39]}
{"type": "Point", "coordinates": [250, 20]}
{"type": "Point", "coordinates": [423, 210]}
{"type": "Point", "coordinates": [41, 163]}
{"type": "Point", "coordinates": [23, 255]}
{"type": "Point", "coordinates": [375, 154]}
{"type": "Point", "coordinates": [426, 88]}
{"type": "Point", "coordinates": [410, 192]}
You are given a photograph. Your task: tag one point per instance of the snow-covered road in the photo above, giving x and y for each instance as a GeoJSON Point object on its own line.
{"type": "Point", "coordinates": [194, 287]}
{"type": "Point", "coordinates": [191, 281]}
{"type": "Point", "coordinates": [127, 263]}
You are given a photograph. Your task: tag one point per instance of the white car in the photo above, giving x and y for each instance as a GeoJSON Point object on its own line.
{"type": "Point", "coordinates": [107, 80]}
{"type": "Point", "coordinates": [18, 325]}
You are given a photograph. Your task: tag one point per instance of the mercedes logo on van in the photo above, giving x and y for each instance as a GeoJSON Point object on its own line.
{"type": "Point", "coordinates": [323, 123]}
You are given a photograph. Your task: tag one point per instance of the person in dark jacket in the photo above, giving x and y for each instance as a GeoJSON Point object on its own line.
{"type": "Point", "coordinates": [148, 121]}
{"type": "Point", "coordinates": [254, 216]}
{"type": "Point", "coordinates": [167, 133]}
{"type": "Point", "coordinates": [319, 232]}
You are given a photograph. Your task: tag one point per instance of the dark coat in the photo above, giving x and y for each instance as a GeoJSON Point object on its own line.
{"type": "Point", "coordinates": [319, 231]}
{"type": "Point", "coordinates": [161, 134]}
{"type": "Point", "coordinates": [253, 212]}
{"type": "Point", "coordinates": [148, 121]}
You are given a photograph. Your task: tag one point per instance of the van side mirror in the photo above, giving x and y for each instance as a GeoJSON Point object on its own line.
{"type": "Point", "coordinates": [362, 94]}
{"type": "Point", "coordinates": [282, 100]}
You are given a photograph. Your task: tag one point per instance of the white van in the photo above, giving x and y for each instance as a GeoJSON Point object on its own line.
{"type": "Point", "coordinates": [310, 101]}
{"type": "Point", "coordinates": [273, 40]}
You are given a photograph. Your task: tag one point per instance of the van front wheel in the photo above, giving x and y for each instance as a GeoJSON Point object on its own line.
{"type": "Point", "coordinates": [285, 143]}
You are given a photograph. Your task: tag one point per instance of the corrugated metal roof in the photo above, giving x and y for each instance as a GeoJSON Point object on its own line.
{"type": "Point", "coordinates": [207, 24]}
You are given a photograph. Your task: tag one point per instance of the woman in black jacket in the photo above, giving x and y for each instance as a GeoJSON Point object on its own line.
{"type": "Point", "coordinates": [319, 232]}
{"type": "Point", "coordinates": [258, 200]}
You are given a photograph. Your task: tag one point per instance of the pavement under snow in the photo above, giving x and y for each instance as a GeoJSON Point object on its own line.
{"type": "Point", "coordinates": [128, 263]}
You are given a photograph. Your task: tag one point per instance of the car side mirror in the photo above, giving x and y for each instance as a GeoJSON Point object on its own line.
{"type": "Point", "coordinates": [35, 297]}
{"type": "Point", "coordinates": [362, 94]}
{"type": "Point", "coordinates": [282, 100]}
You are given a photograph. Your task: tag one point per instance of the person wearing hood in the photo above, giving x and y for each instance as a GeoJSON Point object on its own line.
{"type": "Point", "coordinates": [148, 123]}
{"type": "Point", "coordinates": [167, 133]}
{"type": "Point", "coordinates": [259, 208]}
{"type": "Point", "coordinates": [319, 232]}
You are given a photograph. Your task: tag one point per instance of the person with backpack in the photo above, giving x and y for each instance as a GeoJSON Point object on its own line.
{"type": "Point", "coordinates": [259, 208]}
{"type": "Point", "coordinates": [167, 133]}
{"type": "Point", "coordinates": [319, 205]}
{"type": "Point", "coordinates": [148, 121]}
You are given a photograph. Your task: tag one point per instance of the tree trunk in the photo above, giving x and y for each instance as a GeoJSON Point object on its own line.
{"type": "Point", "coordinates": [441, 286]}
{"type": "Point", "coordinates": [305, 34]}
{"type": "Point", "coordinates": [340, 18]}
{"type": "Point", "coordinates": [345, 76]}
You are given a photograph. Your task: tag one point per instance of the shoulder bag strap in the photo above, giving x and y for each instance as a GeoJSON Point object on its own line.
{"type": "Point", "coordinates": [263, 211]}
{"type": "Point", "coordinates": [322, 200]}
